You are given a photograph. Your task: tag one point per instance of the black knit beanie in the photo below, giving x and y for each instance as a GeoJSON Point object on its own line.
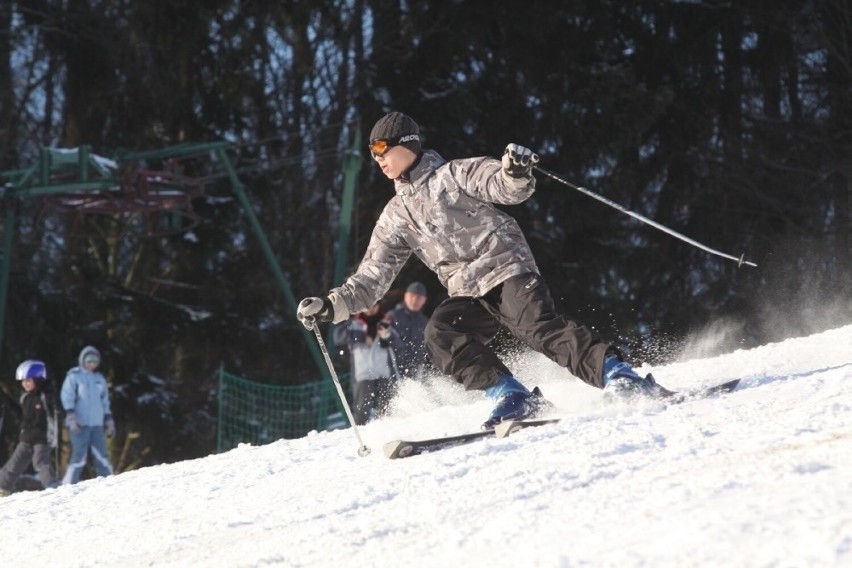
{"type": "Point", "coordinates": [396, 125]}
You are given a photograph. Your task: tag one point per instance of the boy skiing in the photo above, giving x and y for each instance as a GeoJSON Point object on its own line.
{"type": "Point", "coordinates": [38, 429]}
{"type": "Point", "coordinates": [443, 212]}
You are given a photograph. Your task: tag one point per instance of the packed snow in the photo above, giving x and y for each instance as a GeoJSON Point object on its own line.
{"type": "Point", "coordinates": [758, 477]}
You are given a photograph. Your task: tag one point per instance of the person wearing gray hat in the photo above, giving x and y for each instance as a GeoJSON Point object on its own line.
{"type": "Point", "coordinates": [444, 213]}
{"type": "Point", "coordinates": [409, 324]}
{"type": "Point", "coordinates": [418, 289]}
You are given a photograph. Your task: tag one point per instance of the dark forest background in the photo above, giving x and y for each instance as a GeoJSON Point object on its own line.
{"type": "Point", "coordinates": [730, 122]}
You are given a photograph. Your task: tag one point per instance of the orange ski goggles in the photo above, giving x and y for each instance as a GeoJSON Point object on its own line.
{"type": "Point", "coordinates": [380, 146]}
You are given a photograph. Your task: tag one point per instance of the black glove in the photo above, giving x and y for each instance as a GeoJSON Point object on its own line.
{"type": "Point", "coordinates": [314, 309]}
{"type": "Point", "coordinates": [383, 330]}
{"type": "Point", "coordinates": [518, 161]}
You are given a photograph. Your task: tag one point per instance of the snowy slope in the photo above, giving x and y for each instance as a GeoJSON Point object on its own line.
{"type": "Point", "coordinates": [760, 477]}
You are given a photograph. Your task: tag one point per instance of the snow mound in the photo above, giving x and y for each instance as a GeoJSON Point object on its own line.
{"type": "Point", "coordinates": [758, 477]}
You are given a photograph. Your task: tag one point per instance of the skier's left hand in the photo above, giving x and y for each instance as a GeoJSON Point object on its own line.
{"type": "Point", "coordinates": [518, 161]}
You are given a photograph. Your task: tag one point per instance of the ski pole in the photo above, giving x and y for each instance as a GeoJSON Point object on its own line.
{"type": "Point", "coordinates": [57, 436]}
{"type": "Point", "coordinates": [395, 369]}
{"type": "Point", "coordinates": [393, 362]}
{"type": "Point", "coordinates": [363, 450]}
{"type": "Point", "coordinates": [739, 260]}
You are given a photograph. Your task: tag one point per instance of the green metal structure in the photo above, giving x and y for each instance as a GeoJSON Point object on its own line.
{"type": "Point", "coordinates": [256, 413]}
{"type": "Point", "coordinates": [70, 172]}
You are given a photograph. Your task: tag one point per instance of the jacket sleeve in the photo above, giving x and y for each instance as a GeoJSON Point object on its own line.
{"type": "Point", "coordinates": [384, 258]}
{"type": "Point", "coordinates": [105, 397]}
{"type": "Point", "coordinates": [483, 178]}
{"type": "Point", "coordinates": [68, 394]}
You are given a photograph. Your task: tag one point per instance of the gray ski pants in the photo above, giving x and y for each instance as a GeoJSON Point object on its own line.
{"type": "Point", "coordinates": [459, 330]}
{"type": "Point", "coordinates": [39, 455]}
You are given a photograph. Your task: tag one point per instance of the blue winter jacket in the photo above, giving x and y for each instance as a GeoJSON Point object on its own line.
{"type": "Point", "coordinates": [86, 393]}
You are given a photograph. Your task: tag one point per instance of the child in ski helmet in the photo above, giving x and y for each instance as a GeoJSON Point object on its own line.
{"type": "Point", "coordinates": [38, 433]}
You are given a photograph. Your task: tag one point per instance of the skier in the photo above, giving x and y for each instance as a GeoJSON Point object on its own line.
{"type": "Point", "coordinates": [443, 212]}
{"type": "Point", "coordinates": [38, 429]}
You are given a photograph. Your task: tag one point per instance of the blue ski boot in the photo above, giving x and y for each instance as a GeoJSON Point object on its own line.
{"type": "Point", "coordinates": [514, 401]}
{"type": "Point", "coordinates": [621, 381]}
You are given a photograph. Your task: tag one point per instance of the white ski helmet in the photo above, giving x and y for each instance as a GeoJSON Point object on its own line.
{"type": "Point", "coordinates": [31, 369]}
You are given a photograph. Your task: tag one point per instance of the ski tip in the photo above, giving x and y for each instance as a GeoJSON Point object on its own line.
{"type": "Point", "coordinates": [391, 449]}
{"type": "Point", "coordinates": [505, 429]}
{"type": "Point", "coordinates": [725, 387]}
{"type": "Point", "coordinates": [502, 429]}
{"type": "Point", "coordinates": [397, 449]}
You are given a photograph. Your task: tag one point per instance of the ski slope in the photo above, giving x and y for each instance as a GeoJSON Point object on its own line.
{"type": "Point", "coordinates": [759, 477]}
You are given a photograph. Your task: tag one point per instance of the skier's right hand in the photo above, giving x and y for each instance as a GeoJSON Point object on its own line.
{"type": "Point", "coordinates": [314, 309]}
{"type": "Point", "coordinates": [71, 422]}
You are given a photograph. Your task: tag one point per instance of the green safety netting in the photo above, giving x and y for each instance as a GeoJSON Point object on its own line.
{"type": "Point", "coordinates": [258, 413]}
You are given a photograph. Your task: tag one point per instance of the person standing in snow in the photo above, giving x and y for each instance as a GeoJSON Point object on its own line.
{"type": "Point", "coordinates": [38, 429]}
{"type": "Point", "coordinates": [444, 213]}
{"type": "Point", "coordinates": [367, 337]}
{"type": "Point", "coordinates": [409, 322]}
{"type": "Point", "coordinates": [85, 398]}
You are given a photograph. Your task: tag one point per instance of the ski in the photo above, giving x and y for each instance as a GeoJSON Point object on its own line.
{"type": "Point", "coordinates": [396, 449]}
{"type": "Point", "coordinates": [505, 429]}
{"type": "Point", "coordinates": [406, 448]}
{"type": "Point", "coordinates": [677, 397]}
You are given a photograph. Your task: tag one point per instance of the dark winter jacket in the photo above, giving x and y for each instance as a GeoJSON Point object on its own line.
{"type": "Point", "coordinates": [409, 344]}
{"type": "Point", "coordinates": [38, 420]}
{"type": "Point", "coordinates": [444, 214]}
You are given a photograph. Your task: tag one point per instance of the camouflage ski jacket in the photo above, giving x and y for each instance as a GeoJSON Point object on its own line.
{"type": "Point", "coordinates": [444, 214]}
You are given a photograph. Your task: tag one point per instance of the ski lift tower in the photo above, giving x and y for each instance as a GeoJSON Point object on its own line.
{"type": "Point", "coordinates": [101, 195]}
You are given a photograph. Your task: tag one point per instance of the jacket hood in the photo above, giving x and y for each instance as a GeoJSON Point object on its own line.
{"type": "Point", "coordinates": [88, 349]}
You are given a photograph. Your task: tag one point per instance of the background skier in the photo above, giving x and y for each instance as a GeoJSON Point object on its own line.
{"type": "Point", "coordinates": [38, 429]}
{"type": "Point", "coordinates": [85, 397]}
{"type": "Point", "coordinates": [368, 343]}
{"type": "Point", "coordinates": [409, 322]}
